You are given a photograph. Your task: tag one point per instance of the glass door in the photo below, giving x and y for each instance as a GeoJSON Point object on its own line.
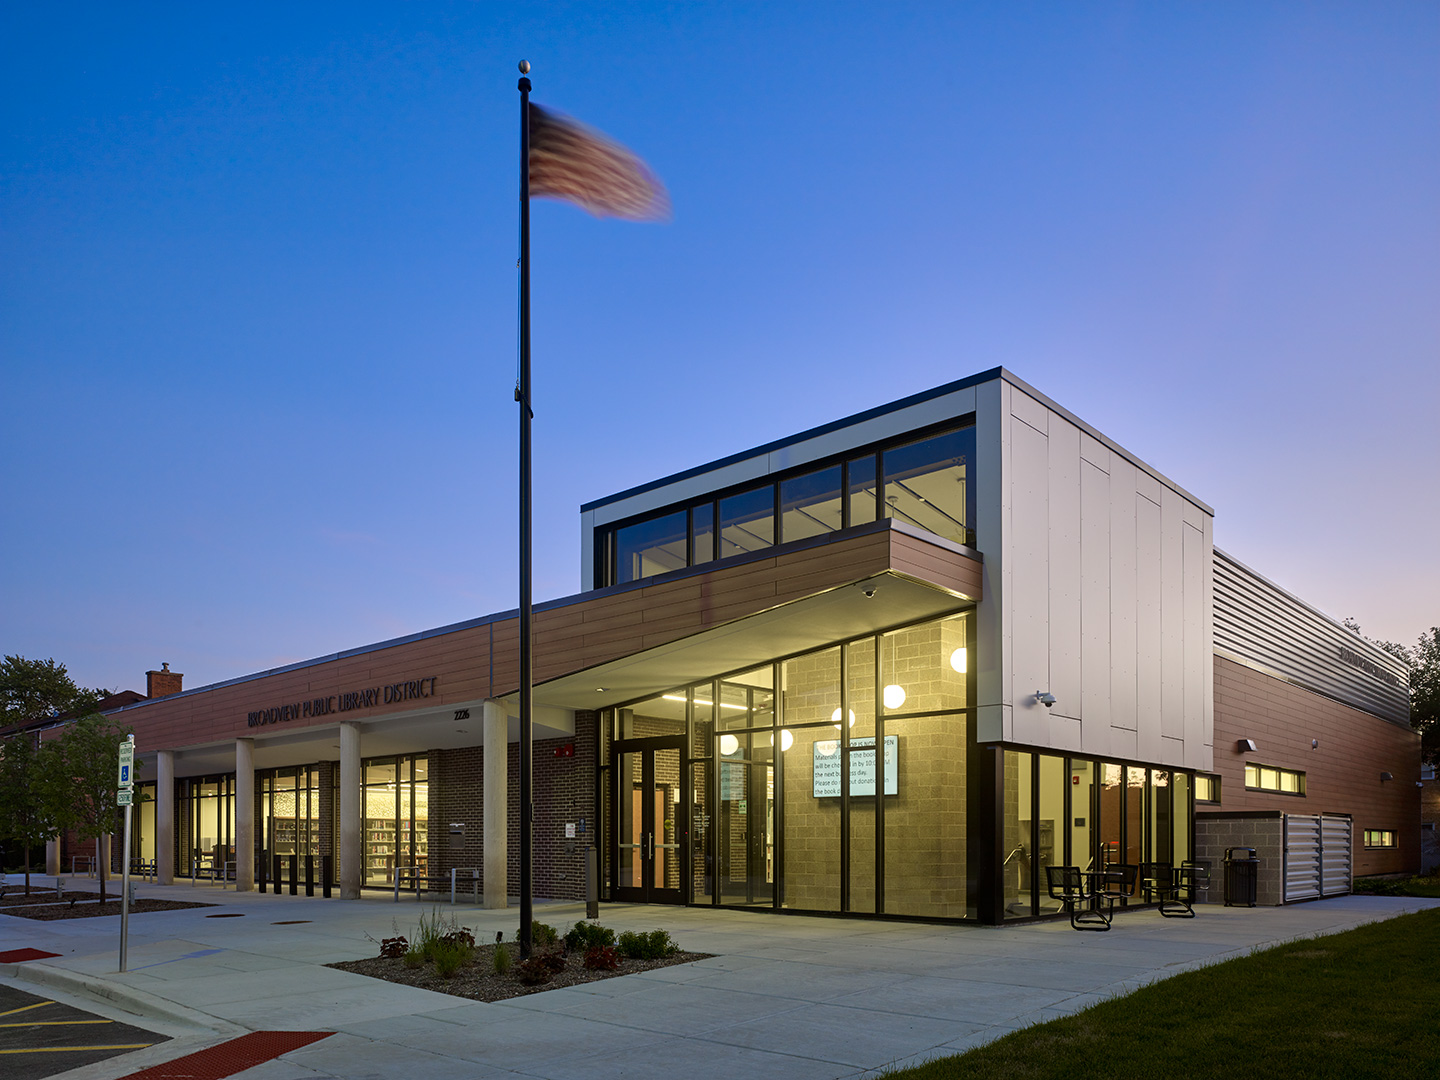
{"type": "Point", "coordinates": [649, 856]}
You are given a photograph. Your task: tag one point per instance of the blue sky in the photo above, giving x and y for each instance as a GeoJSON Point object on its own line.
{"type": "Point", "coordinates": [257, 286]}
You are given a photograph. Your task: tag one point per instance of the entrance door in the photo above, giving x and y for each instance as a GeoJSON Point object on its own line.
{"type": "Point", "coordinates": [649, 858]}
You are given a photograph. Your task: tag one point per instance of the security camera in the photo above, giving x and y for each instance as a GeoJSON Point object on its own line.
{"type": "Point", "coordinates": [1045, 698]}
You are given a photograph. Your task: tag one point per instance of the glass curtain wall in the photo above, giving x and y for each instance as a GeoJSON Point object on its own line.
{"type": "Point", "coordinates": [142, 824]}
{"type": "Point", "coordinates": [1117, 814]}
{"type": "Point", "coordinates": [924, 482]}
{"type": "Point", "coordinates": [205, 825]}
{"type": "Point", "coordinates": [395, 809]}
{"type": "Point", "coordinates": [289, 812]}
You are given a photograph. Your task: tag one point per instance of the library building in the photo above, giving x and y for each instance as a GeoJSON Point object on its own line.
{"type": "Point", "coordinates": [895, 666]}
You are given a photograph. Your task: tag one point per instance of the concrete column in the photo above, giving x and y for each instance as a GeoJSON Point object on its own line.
{"type": "Point", "coordinates": [244, 815]}
{"type": "Point", "coordinates": [165, 817]}
{"type": "Point", "coordinates": [496, 794]}
{"type": "Point", "coordinates": [351, 873]}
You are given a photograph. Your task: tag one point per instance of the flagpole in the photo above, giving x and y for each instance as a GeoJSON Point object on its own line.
{"type": "Point", "coordinates": [522, 395]}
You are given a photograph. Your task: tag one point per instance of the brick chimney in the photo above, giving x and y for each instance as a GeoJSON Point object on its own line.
{"type": "Point", "coordinates": [162, 683]}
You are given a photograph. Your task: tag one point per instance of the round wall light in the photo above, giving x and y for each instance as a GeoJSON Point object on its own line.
{"type": "Point", "coordinates": [729, 744]}
{"type": "Point", "coordinates": [894, 696]}
{"type": "Point", "coordinates": [835, 718]}
{"type": "Point", "coordinates": [959, 659]}
{"type": "Point", "coordinates": [827, 747]}
{"type": "Point", "coordinates": [787, 740]}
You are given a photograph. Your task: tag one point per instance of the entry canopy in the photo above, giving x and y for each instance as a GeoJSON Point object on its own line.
{"type": "Point", "coordinates": [875, 603]}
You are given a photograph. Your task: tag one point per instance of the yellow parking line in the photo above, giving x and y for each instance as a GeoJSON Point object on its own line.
{"type": "Point", "coordinates": [55, 1023]}
{"type": "Point", "coordinates": [77, 1049]}
{"type": "Point", "coordinates": [24, 1008]}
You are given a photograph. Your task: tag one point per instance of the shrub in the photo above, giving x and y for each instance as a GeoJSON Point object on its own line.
{"type": "Point", "coordinates": [601, 958]}
{"type": "Point", "coordinates": [656, 945]}
{"type": "Point", "coordinates": [459, 936]}
{"type": "Point", "coordinates": [392, 948]}
{"type": "Point", "coordinates": [501, 960]}
{"type": "Point", "coordinates": [584, 936]}
{"type": "Point", "coordinates": [451, 956]}
{"type": "Point", "coordinates": [543, 933]}
{"type": "Point", "coordinates": [534, 972]}
{"type": "Point", "coordinates": [414, 957]}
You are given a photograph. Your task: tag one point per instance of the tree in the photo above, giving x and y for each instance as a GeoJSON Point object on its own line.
{"type": "Point", "coordinates": [1424, 663]}
{"type": "Point", "coordinates": [36, 689]}
{"type": "Point", "coordinates": [89, 751]}
{"type": "Point", "coordinates": [30, 808]}
{"type": "Point", "coordinates": [1425, 693]}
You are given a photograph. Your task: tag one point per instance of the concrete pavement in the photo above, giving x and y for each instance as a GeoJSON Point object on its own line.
{"type": "Point", "coordinates": [784, 996]}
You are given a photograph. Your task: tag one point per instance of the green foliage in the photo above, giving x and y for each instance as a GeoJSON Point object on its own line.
{"type": "Point", "coordinates": [1423, 660]}
{"type": "Point", "coordinates": [543, 933]}
{"type": "Point", "coordinates": [501, 960]}
{"type": "Point", "coordinates": [656, 945]}
{"type": "Point", "coordinates": [1358, 1004]}
{"type": "Point", "coordinates": [37, 689]}
{"type": "Point", "coordinates": [450, 955]}
{"type": "Point", "coordinates": [414, 957]}
{"type": "Point", "coordinates": [440, 932]}
{"type": "Point", "coordinates": [31, 803]}
{"type": "Point", "coordinates": [1404, 886]}
{"type": "Point", "coordinates": [583, 936]}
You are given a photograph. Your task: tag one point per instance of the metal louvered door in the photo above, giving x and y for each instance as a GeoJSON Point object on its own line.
{"type": "Point", "coordinates": [1335, 849]}
{"type": "Point", "coordinates": [1302, 857]}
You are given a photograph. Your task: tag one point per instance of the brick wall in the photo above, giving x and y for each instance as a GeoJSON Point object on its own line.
{"type": "Point", "coordinates": [1342, 773]}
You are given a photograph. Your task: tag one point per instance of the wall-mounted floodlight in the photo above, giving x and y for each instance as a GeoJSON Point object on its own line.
{"type": "Point", "coordinates": [1246, 746]}
{"type": "Point", "coordinates": [1044, 697]}
{"type": "Point", "coordinates": [1386, 776]}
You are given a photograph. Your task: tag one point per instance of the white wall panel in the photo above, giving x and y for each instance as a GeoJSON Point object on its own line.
{"type": "Point", "coordinates": [1172, 616]}
{"type": "Point", "coordinates": [1095, 673]}
{"type": "Point", "coordinates": [1196, 556]}
{"type": "Point", "coordinates": [1028, 552]}
{"type": "Point", "coordinates": [1122, 595]}
{"type": "Point", "coordinates": [1147, 623]}
{"type": "Point", "coordinates": [1065, 586]}
{"type": "Point", "coordinates": [992, 508]}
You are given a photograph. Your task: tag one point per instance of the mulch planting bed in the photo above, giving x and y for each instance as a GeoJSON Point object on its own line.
{"type": "Point", "coordinates": [90, 908]}
{"type": "Point", "coordinates": [478, 982]}
{"type": "Point", "coordinates": [13, 897]}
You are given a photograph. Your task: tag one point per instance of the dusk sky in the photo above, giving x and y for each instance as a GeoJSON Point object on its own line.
{"type": "Point", "coordinates": [258, 287]}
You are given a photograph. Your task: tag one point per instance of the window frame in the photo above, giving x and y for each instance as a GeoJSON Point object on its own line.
{"type": "Point", "coordinates": [1381, 834]}
{"type": "Point", "coordinates": [1259, 785]}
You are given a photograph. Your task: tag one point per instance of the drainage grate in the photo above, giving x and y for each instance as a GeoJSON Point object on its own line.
{"type": "Point", "coordinates": [231, 1057]}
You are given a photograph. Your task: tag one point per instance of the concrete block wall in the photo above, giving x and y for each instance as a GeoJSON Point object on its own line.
{"type": "Point", "coordinates": [1264, 832]}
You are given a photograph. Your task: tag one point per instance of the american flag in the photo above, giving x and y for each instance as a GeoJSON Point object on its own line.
{"type": "Point", "coordinates": [580, 165]}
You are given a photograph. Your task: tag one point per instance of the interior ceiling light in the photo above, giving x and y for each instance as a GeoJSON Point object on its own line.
{"type": "Point", "coordinates": [835, 718]}
{"type": "Point", "coordinates": [702, 701]}
{"type": "Point", "coordinates": [894, 696]}
{"type": "Point", "coordinates": [959, 659]}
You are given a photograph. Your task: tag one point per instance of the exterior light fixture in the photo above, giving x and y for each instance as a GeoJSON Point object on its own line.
{"type": "Point", "coordinates": [959, 659]}
{"type": "Point", "coordinates": [835, 717]}
{"type": "Point", "coordinates": [1246, 746]}
{"type": "Point", "coordinates": [1386, 776]}
{"type": "Point", "coordinates": [787, 739]}
{"type": "Point", "coordinates": [729, 744]}
{"type": "Point", "coordinates": [894, 696]}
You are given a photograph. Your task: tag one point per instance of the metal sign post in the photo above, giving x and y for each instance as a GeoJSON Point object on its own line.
{"type": "Point", "coordinates": [123, 797]}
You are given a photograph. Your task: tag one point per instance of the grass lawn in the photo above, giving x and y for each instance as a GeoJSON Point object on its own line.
{"type": "Point", "coordinates": [1359, 1004]}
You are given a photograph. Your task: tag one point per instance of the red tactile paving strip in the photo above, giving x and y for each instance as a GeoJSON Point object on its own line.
{"type": "Point", "coordinates": [17, 956]}
{"type": "Point", "coordinates": [231, 1057]}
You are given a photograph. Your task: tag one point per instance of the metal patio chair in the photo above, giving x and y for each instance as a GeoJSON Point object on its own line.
{"type": "Point", "coordinates": [1067, 884]}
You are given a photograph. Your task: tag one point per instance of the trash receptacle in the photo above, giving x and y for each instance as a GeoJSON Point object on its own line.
{"type": "Point", "coordinates": [1241, 874]}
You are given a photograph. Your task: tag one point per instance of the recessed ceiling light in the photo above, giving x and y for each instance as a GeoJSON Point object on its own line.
{"type": "Point", "coordinates": [601, 689]}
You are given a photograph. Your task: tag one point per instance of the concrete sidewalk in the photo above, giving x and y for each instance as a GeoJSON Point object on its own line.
{"type": "Point", "coordinates": [784, 996]}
